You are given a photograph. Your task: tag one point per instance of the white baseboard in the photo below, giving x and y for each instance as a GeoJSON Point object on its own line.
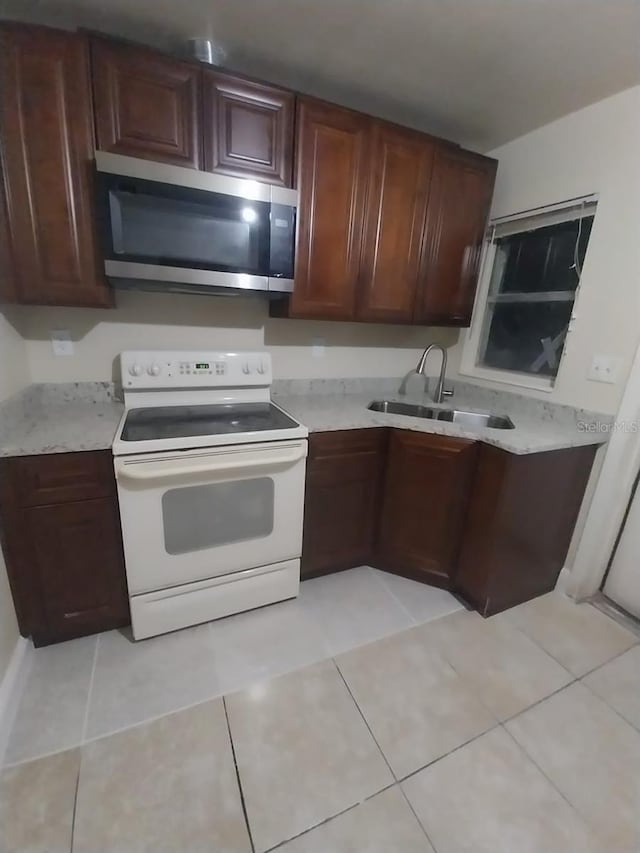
{"type": "Point", "coordinates": [563, 580]}
{"type": "Point", "coordinates": [11, 689]}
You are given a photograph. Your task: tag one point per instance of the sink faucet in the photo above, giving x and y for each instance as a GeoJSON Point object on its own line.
{"type": "Point", "coordinates": [441, 391]}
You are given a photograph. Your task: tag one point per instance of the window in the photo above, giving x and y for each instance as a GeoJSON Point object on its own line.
{"type": "Point", "coordinates": [532, 272]}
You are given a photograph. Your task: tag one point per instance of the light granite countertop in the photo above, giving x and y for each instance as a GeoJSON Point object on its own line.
{"type": "Point", "coordinates": [539, 425]}
{"type": "Point", "coordinates": [59, 419]}
{"type": "Point", "coordinates": [530, 435]}
{"type": "Point", "coordinates": [84, 416]}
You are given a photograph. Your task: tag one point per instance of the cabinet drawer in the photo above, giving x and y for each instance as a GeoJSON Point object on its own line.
{"type": "Point", "coordinates": [60, 478]}
{"type": "Point", "coordinates": [338, 443]}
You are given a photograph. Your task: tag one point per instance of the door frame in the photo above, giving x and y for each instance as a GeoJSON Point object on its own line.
{"type": "Point", "coordinates": [606, 513]}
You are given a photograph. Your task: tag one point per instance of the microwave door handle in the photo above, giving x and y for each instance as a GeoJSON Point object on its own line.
{"type": "Point", "coordinates": [161, 469]}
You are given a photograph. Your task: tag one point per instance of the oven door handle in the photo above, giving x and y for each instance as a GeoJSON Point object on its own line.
{"type": "Point", "coordinates": [157, 469]}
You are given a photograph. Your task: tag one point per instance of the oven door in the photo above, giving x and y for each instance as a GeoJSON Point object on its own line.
{"type": "Point", "coordinates": [199, 514]}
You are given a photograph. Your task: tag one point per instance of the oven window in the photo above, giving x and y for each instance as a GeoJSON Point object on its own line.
{"type": "Point", "coordinates": [198, 517]}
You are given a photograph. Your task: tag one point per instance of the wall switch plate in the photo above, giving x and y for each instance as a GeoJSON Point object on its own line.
{"type": "Point", "coordinates": [61, 342]}
{"type": "Point", "coordinates": [605, 368]}
{"type": "Point", "coordinates": [318, 347]}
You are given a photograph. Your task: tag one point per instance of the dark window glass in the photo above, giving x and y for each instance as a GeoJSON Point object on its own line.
{"type": "Point", "coordinates": [524, 336]}
{"type": "Point", "coordinates": [530, 301]}
{"type": "Point", "coordinates": [543, 260]}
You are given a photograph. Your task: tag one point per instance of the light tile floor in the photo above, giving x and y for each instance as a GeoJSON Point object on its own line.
{"type": "Point", "coordinates": [371, 715]}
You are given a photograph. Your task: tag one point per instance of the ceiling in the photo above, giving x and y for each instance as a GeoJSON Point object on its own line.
{"type": "Point", "coordinates": [480, 72]}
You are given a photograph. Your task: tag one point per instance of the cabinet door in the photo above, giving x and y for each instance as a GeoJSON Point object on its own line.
{"type": "Point", "coordinates": [521, 518]}
{"type": "Point", "coordinates": [459, 201]}
{"type": "Point", "coordinates": [332, 168]}
{"type": "Point", "coordinates": [248, 129]}
{"type": "Point", "coordinates": [79, 567]}
{"type": "Point", "coordinates": [47, 153]}
{"type": "Point", "coordinates": [146, 104]}
{"type": "Point", "coordinates": [426, 493]}
{"type": "Point", "coordinates": [341, 503]}
{"type": "Point", "coordinates": [401, 163]}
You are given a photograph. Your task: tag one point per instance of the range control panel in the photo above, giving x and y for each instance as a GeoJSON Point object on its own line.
{"type": "Point", "coordinates": [157, 369]}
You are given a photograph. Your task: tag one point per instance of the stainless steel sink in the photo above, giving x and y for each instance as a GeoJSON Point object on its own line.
{"type": "Point", "coordinates": [473, 420]}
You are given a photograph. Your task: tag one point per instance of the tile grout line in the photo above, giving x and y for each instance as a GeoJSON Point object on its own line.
{"type": "Point", "coordinates": [538, 702]}
{"type": "Point", "coordinates": [506, 621]}
{"type": "Point", "coordinates": [573, 808]}
{"type": "Point", "coordinates": [522, 630]}
{"type": "Point", "coordinates": [375, 740]}
{"type": "Point", "coordinates": [117, 731]}
{"type": "Point", "coordinates": [392, 595]}
{"type": "Point", "coordinates": [237, 769]}
{"type": "Point", "coordinates": [75, 805]}
{"type": "Point", "coordinates": [611, 660]}
{"type": "Point", "coordinates": [364, 719]}
{"type": "Point", "coordinates": [610, 707]}
{"type": "Point", "coordinates": [332, 817]}
{"type": "Point", "coordinates": [416, 623]}
{"type": "Point", "coordinates": [420, 823]}
{"type": "Point", "coordinates": [415, 772]}
{"type": "Point", "coordinates": [85, 723]}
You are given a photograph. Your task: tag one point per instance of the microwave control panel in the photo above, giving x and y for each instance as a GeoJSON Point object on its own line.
{"type": "Point", "coordinates": [159, 369]}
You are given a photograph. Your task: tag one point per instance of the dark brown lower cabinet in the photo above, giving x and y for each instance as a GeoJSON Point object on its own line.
{"type": "Point", "coordinates": [426, 493]}
{"type": "Point", "coordinates": [344, 472]}
{"type": "Point", "coordinates": [63, 545]}
{"type": "Point", "coordinates": [521, 517]}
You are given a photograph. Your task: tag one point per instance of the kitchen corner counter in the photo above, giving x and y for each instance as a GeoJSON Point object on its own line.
{"type": "Point", "coordinates": [538, 428]}
{"type": "Point", "coordinates": [59, 419]}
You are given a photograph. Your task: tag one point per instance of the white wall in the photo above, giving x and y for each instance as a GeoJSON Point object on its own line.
{"type": "Point", "coordinates": [595, 150]}
{"type": "Point", "coordinates": [165, 321]}
{"type": "Point", "coordinates": [13, 377]}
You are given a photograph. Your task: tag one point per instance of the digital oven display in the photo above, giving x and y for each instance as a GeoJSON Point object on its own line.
{"type": "Point", "coordinates": [202, 366]}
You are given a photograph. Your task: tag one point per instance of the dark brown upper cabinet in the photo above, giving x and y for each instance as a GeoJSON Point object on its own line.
{"type": "Point", "coordinates": [146, 104]}
{"type": "Point", "coordinates": [391, 222]}
{"type": "Point", "coordinates": [399, 177]}
{"type": "Point", "coordinates": [332, 165]}
{"type": "Point", "coordinates": [47, 239]}
{"type": "Point", "coordinates": [248, 129]}
{"type": "Point", "coordinates": [459, 201]}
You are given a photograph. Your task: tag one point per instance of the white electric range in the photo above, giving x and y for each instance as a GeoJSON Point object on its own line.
{"type": "Point", "coordinates": [210, 477]}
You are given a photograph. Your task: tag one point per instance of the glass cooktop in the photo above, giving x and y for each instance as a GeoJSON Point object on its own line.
{"type": "Point", "coordinates": [153, 423]}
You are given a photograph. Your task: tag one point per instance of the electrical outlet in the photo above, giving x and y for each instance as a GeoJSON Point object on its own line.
{"type": "Point", "coordinates": [61, 342]}
{"type": "Point", "coordinates": [318, 347]}
{"type": "Point", "coordinates": [605, 368]}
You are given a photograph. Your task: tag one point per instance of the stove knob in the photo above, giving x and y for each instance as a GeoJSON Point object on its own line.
{"type": "Point", "coordinates": [261, 368]}
{"type": "Point", "coordinates": [246, 369]}
{"type": "Point", "coordinates": [153, 370]}
{"type": "Point", "coordinates": [136, 370]}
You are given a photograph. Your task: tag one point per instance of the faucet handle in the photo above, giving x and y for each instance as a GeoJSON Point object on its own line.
{"type": "Point", "coordinates": [447, 392]}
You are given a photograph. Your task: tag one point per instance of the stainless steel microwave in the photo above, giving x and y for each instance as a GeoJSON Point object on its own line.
{"type": "Point", "coordinates": [165, 227]}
